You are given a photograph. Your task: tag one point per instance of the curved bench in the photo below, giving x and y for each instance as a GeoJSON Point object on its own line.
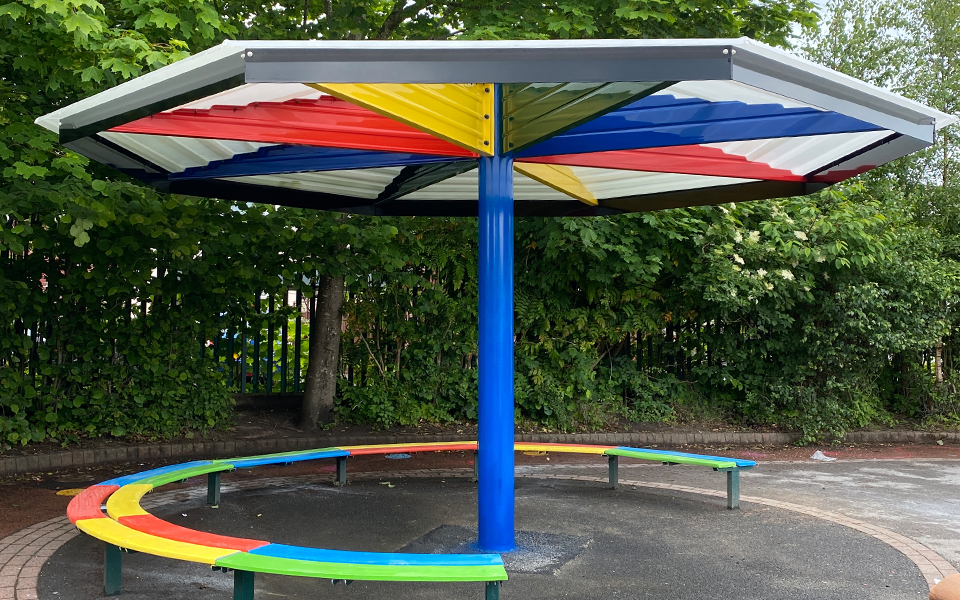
{"type": "Point", "coordinates": [127, 526]}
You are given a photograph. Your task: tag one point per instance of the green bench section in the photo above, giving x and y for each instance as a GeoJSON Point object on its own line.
{"type": "Point", "coordinates": [731, 466]}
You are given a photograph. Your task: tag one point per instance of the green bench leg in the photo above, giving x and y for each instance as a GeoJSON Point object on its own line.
{"type": "Point", "coordinates": [733, 489]}
{"type": "Point", "coordinates": [492, 591]}
{"type": "Point", "coordinates": [613, 464]}
{"type": "Point", "coordinates": [476, 466]}
{"type": "Point", "coordinates": [213, 489]}
{"type": "Point", "coordinates": [341, 471]}
{"type": "Point", "coordinates": [243, 585]}
{"type": "Point", "coordinates": [112, 569]}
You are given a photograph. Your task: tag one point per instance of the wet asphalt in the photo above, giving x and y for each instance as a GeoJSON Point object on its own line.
{"type": "Point", "coordinates": [578, 539]}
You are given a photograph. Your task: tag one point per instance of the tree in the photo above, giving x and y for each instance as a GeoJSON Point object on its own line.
{"type": "Point", "coordinates": [913, 48]}
{"type": "Point", "coordinates": [58, 208]}
{"type": "Point", "coordinates": [770, 21]}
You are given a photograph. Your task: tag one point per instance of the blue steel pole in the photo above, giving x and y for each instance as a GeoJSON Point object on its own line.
{"type": "Point", "coordinates": [495, 438]}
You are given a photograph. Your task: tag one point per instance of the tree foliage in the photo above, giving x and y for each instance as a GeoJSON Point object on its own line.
{"type": "Point", "coordinates": [820, 313]}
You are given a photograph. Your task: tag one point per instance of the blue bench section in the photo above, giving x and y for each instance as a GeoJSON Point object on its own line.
{"type": "Point", "coordinates": [284, 458]}
{"type": "Point", "coordinates": [376, 558]}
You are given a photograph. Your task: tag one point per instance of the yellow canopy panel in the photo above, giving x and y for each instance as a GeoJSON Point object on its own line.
{"type": "Point", "coordinates": [459, 113]}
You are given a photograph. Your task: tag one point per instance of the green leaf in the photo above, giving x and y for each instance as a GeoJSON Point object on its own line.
{"type": "Point", "coordinates": [92, 73]}
{"type": "Point", "coordinates": [162, 18]}
{"type": "Point", "coordinates": [29, 172]}
{"type": "Point", "coordinates": [13, 9]}
{"type": "Point", "coordinates": [82, 24]}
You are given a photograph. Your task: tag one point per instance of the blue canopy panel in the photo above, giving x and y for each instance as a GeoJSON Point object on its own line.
{"type": "Point", "coordinates": [279, 159]}
{"type": "Point", "coordinates": [663, 120]}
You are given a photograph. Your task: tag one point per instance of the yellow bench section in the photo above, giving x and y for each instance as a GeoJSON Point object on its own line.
{"type": "Point", "coordinates": [126, 538]}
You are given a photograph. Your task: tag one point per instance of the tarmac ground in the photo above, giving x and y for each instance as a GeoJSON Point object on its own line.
{"type": "Point", "coordinates": [665, 534]}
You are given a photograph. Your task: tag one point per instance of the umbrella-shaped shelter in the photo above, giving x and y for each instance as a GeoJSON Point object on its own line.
{"type": "Point", "coordinates": [497, 130]}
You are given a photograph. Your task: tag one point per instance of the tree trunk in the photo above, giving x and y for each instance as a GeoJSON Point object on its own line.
{"type": "Point", "coordinates": [323, 364]}
{"type": "Point", "coordinates": [938, 363]}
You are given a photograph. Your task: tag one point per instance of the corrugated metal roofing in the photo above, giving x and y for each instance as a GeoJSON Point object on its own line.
{"type": "Point", "coordinates": [176, 154]}
{"type": "Point", "coordinates": [802, 155]}
{"type": "Point", "coordinates": [728, 91]}
{"type": "Point", "coordinates": [464, 187]}
{"type": "Point", "coordinates": [614, 183]}
{"type": "Point", "coordinates": [325, 121]}
{"type": "Point", "coordinates": [255, 92]}
{"type": "Point", "coordinates": [281, 159]}
{"type": "Point", "coordinates": [665, 120]}
{"type": "Point", "coordinates": [461, 114]}
{"type": "Point", "coordinates": [360, 183]}
{"type": "Point", "coordinates": [740, 117]}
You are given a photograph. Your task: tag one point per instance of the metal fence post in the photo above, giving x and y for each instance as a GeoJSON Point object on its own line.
{"type": "Point", "coordinates": [271, 334]}
{"type": "Point", "coordinates": [297, 335]}
{"type": "Point", "coordinates": [258, 325]}
{"type": "Point", "coordinates": [284, 334]}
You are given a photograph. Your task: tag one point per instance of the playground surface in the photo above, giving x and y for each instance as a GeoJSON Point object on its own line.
{"type": "Point", "coordinates": [855, 528]}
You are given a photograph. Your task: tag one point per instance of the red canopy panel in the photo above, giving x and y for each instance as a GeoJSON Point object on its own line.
{"type": "Point", "coordinates": [326, 121]}
{"type": "Point", "coordinates": [687, 160]}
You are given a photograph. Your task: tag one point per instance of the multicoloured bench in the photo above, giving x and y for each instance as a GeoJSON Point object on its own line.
{"type": "Point", "coordinates": [127, 526]}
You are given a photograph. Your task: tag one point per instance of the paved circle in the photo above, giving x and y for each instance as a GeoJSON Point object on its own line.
{"type": "Point", "coordinates": [656, 540]}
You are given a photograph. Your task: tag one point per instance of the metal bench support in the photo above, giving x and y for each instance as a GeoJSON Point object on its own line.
{"type": "Point", "coordinates": [492, 591]}
{"type": "Point", "coordinates": [476, 466]}
{"type": "Point", "coordinates": [613, 464]}
{"type": "Point", "coordinates": [213, 488]}
{"type": "Point", "coordinates": [112, 569]}
{"type": "Point", "coordinates": [733, 489]}
{"type": "Point", "coordinates": [341, 471]}
{"type": "Point", "coordinates": [243, 585]}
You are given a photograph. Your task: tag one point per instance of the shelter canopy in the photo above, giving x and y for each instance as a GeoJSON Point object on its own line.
{"type": "Point", "coordinates": [593, 126]}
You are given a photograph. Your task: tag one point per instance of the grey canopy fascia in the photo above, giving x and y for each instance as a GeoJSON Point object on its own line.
{"type": "Point", "coordinates": [234, 63]}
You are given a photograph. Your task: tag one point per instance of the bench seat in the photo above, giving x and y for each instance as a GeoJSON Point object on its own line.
{"type": "Point", "coordinates": [126, 525]}
{"type": "Point", "coordinates": [164, 529]}
{"type": "Point", "coordinates": [570, 448]}
{"type": "Point", "coordinates": [385, 567]}
{"type": "Point", "coordinates": [86, 504]}
{"type": "Point", "coordinates": [427, 447]}
{"type": "Point", "coordinates": [285, 457]}
{"type": "Point", "coordinates": [683, 458]}
{"type": "Point", "coordinates": [135, 477]}
{"type": "Point", "coordinates": [194, 471]}
{"type": "Point", "coordinates": [121, 536]}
